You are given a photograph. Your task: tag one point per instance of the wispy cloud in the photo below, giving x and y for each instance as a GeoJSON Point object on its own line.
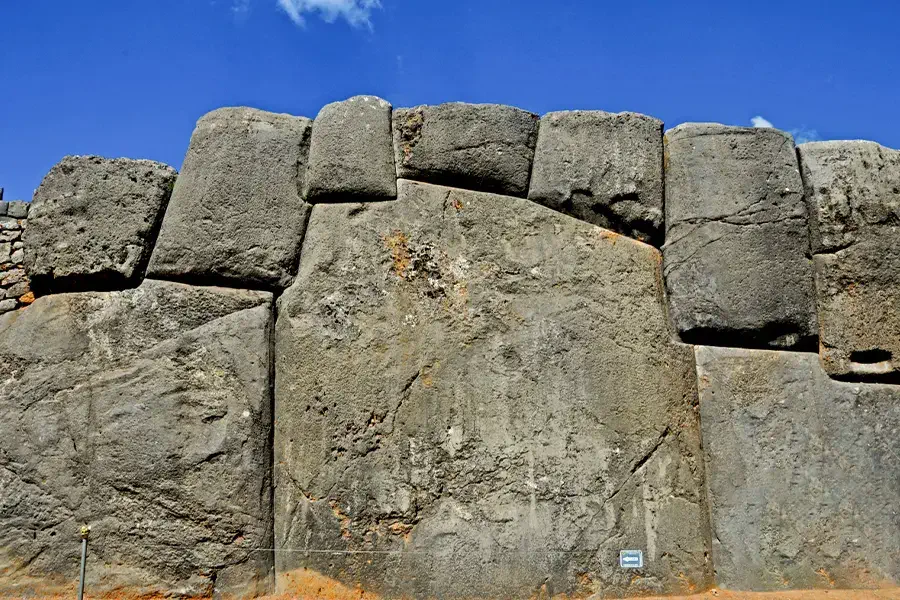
{"type": "Point", "coordinates": [356, 12]}
{"type": "Point", "coordinates": [801, 134]}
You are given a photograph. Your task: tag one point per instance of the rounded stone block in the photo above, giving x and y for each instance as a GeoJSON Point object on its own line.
{"type": "Point", "coordinates": [603, 168]}
{"type": "Point", "coordinates": [236, 216]}
{"type": "Point", "coordinates": [485, 147]}
{"type": "Point", "coordinates": [736, 255]}
{"type": "Point", "coordinates": [93, 222]}
{"type": "Point", "coordinates": [853, 190]}
{"type": "Point", "coordinates": [802, 472]}
{"type": "Point", "coordinates": [478, 397]}
{"type": "Point", "coordinates": [351, 155]}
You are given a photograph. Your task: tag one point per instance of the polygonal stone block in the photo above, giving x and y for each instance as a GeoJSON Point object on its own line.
{"type": "Point", "coordinates": [236, 215]}
{"type": "Point", "coordinates": [603, 168]}
{"type": "Point", "coordinates": [478, 397]}
{"type": "Point", "coordinates": [485, 147]}
{"type": "Point", "coordinates": [93, 221]}
{"type": "Point", "coordinates": [736, 256]}
{"type": "Point", "coordinates": [853, 190]}
{"type": "Point", "coordinates": [802, 473]}
{"type": "Point", "coordinates": [145, 414]}
{"type": "Point", "coordinates": [351, 155]}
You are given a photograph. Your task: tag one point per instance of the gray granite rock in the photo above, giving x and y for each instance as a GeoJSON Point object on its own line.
{"type": "Point", "coordinates": [18, 209]}
{"type": "Point", "coordinates": [803, 473]}
{"type": "Point", "coordinates": [485, 147]}
{"type": "Point", "coordinates": [736, 256]}
{"type": "Point", "coordinates": [3, 208]}
{"type": "Point", "coordinates": [853, 190]}
{"type": "Point", "coordinates": [7, 305]}
{"type": "Point", "coordinates": [351, 155]}
{"type": "Point", "coordinates": [5, 251]}
{"type": "Point", "coordinates": [236, 215]}
{"type": "Point", "coordinates": [604, 168]}
{"type": "Point", "coordinates": [483, 393]}
{"type": "Point", "coordinates": [93, 222]}
{"type": "Point", "coordinates": [145, 414]}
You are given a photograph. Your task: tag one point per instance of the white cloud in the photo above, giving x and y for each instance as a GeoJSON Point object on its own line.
{"type": "Point", "coordinates": [803, 135]}
{"type": "Point", "coordinates": [758, 121]}
{"type": "Point", "coordinates": [355, 12]}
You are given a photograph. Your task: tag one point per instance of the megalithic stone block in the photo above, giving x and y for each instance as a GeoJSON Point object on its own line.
{"type": "Point", "coordinates": [145, 414]}
{"type": "Point", "coordinates": [736, 255]}
{"type": "Point", "coordinates": [853, 190]}
{"type": "Point", "coordinates": [485, 147]}
{"type": "Point", "coordinates": [93, 222]}
{"type": "Point", "coordinates": [236, 216]}
{"type": "Point", "coordinates": [478, 397]}
{"type": "Point", "coordinates": [604, 168]}
{"type": "Point", "coordinates": [802, 473]}
{"type": "Point", "coordinates": [351, 154]}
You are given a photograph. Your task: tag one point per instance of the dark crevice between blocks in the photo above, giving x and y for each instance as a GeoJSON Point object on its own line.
{"type": "Point", "coordinates": [271, 439]}
{"type": "Point", "coordinates": [772, 336]}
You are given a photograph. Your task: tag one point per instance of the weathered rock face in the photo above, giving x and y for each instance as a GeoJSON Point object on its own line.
{"type": "Point", "coordinates": [802, 471]}
{"type": "Point", "coordinates": [485, 147]}
{"type": "Point", "coordinates": [603, 168]}
{"type": "Point", "coordinates": [351, 155]}
{"type": "Point", "coordinates": [93, 222]}
{"type": "Point", "coordinates": [482, 392]}
{"type": "Point", "coordinates": [147, 414]}
{"type": "Point", "coordinates": [853, 189]}
{"type": "Point", "coordinates": [236, 215]}
{"type": "Point", "coordinates": [736, 253]}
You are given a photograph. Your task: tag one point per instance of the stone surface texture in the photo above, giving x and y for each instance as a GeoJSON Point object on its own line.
{"type": "Point", "coordinates": [147, 414]}
{"type": "Point", "coordinates": [737, 265]}
{"type": "Point", "coordinates": [236, 215]}
{"type": "Point", "coordinates": [93, 222]}
{"type": "Point", "coordinates": [485, 147]}
{"type": "Point", "coordinates": [803, 473]}
{"type": "Point", "coordinates": [604, 168]}
{"type": "Point", "coordinates": [853, 191]}
{"type": "Point", "coordinates": [484, 393]}
{"type": "Point", "coordinates": [351, 154]}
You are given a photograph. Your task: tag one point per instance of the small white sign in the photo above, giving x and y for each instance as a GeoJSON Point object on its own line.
{"type": "Point", "coordinates": [631, 559]}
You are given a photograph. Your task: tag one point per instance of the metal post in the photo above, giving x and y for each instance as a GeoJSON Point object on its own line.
{"type": "Point", "coordinates": [85, 532]}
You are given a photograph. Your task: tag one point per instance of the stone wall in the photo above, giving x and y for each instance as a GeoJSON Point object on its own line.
{"type": "Point", "coordinates": [458, 351]}
{"type": "Point", "coordinates": [14, 285]}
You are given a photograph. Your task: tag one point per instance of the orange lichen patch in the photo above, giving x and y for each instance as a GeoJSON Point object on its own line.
{"type": "Point", "coordinates": [27, 298]}
{"type": "Point", "coordinates": [306, 584]}
{"type": "Point", "coordinates": [826, 576]}
{"type": "Point", "coordinates": [457, 204]}
{"type": "Point", "coordinates": [398, 244]}
{"type": "Point", "coordinates": [609, 236]}
{"type": "Point", "coordinates": [344, 519]}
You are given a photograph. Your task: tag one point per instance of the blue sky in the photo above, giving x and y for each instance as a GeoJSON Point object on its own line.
{"type": "Point", "coordinates": [130, 78]}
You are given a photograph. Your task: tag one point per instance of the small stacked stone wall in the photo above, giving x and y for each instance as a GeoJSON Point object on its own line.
{"type": "Point", "coordinates": [14, 285]}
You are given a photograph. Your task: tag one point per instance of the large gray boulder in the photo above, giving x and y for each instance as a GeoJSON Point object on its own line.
{"type": "Point", "coordinates": [803, 473]}
{"type": "Point", "coordinates": [604, 168]}
{"type": "Point", "coordinates": [478, 396]}
{"type": "Point", "coordinates": [351, 154]}
{"type": "Point", "coordinates": [485, 147]}
{"type": "Point", "coordinates": [853, 190]}
{"type": "Point", "coordinates": [145, 414]}
{"type": "Point", "coordinates": [236, 216]}
{"type": "Point", "coordinates": [93, 222]}
{"type": "Point", "coordinates": [736, 255]}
